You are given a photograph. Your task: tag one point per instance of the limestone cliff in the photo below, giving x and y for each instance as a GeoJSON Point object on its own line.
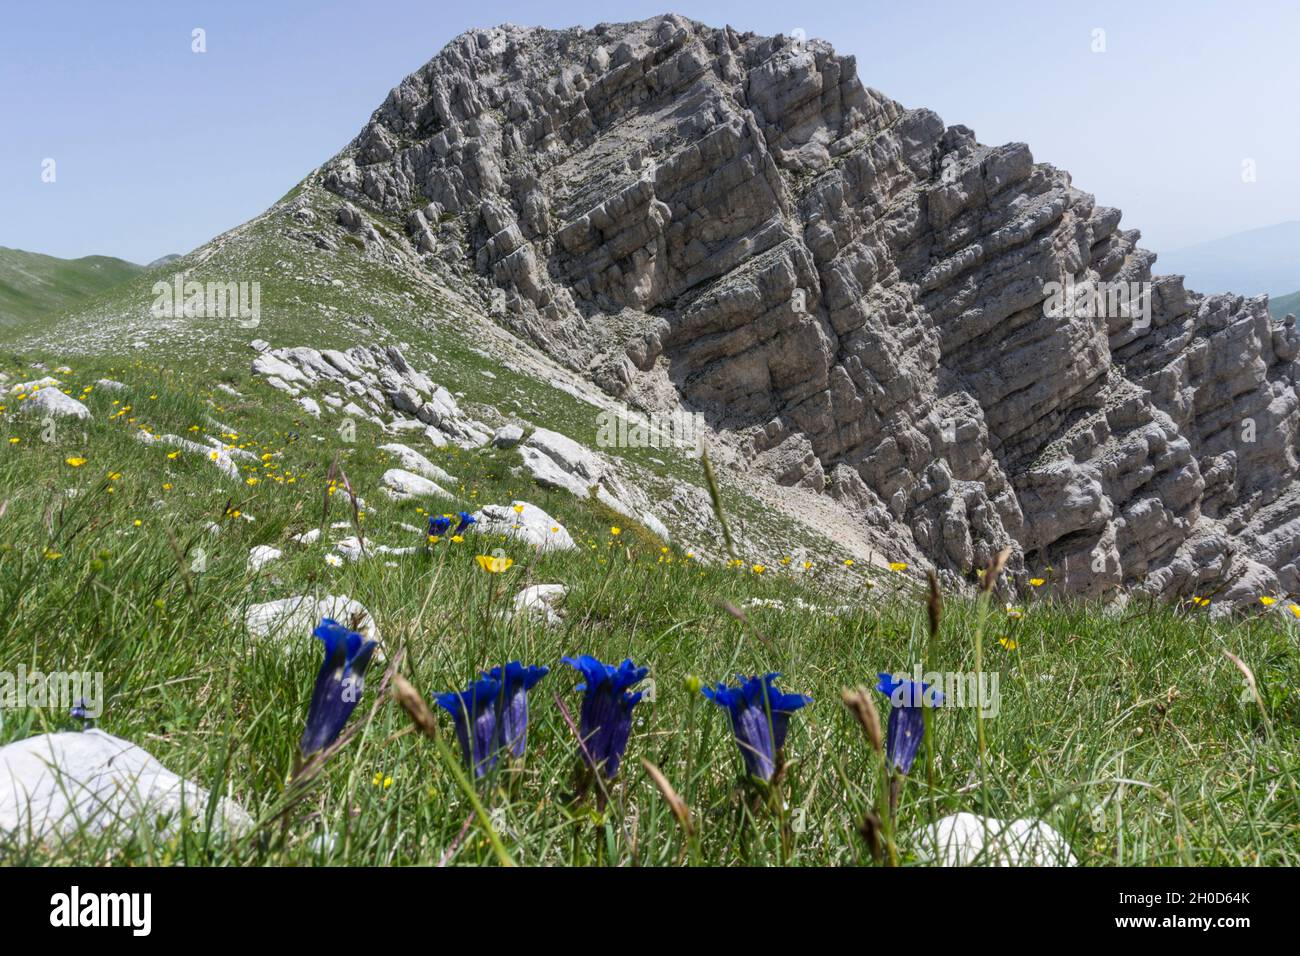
{"type": "Point", "coordinates": [862, 301]}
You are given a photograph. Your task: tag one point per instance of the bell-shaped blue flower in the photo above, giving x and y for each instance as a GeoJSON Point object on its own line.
{"type": "Point", "coordinates": [906, 722]}
{"type": "Point", "coordinates": [760, 717]}
{"type": "Point", "coordinates": [606, 718]}
{"type": "Point", "coordinates": [466, 519]}
{"type": "Point", "coordinates": [474, 712]}
{"type": "Point", "coordinates": [438, 525]}
{"type": "Point", "coordinates": [491, 715]}
{"type": "Point", "coordinates": [512, 717]}
{"type": "Point", "coordinates": [339, 684]}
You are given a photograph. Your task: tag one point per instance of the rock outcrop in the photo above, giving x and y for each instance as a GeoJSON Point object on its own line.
{"type": "Point", "coordinates": [56, 785]}
{"type": "Point", "coordinates": [948, 339]}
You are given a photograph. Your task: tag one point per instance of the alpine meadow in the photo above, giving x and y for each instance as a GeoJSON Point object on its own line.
{"type": "Point", "coordinates": [648, 444]}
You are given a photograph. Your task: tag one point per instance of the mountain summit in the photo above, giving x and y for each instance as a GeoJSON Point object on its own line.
{"type": "Point", "coordinates": [857, 297]}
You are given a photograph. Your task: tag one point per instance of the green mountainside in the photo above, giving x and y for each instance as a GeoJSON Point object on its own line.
{"type": "Point", "coordinates": [34, 287]}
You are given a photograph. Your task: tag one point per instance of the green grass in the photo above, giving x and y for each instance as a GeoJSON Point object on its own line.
{"type": "Point", "coordinates": [34, 288]}
{"type": "Point", "coordinates": [1127, 732]}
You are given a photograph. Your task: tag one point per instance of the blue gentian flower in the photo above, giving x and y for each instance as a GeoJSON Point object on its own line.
{"type": "Point", "coordinates": [760, 717]}
{"type": "Point", "coordinates": [906, 722]}
{"type": "Point", "coordinates": [81, 711]}
{"type": "Point", "coordinates": [339, 684]}
{"type": "Point", "coordinates": [512, 718]}
{"type": "Point", "coordinates": [606, 719]}
{"type": "Point", "coordinates": [438, 525]}
{"type": "Point", "coordinates": [491, 715]}
{"type": "Point", "coordinates": [466, 519]}
{"type": "Point", "coordinates": [474, 711]}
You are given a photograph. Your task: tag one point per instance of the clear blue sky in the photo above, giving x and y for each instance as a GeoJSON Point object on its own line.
{"type": "Point", "coordinates": [158, 149]}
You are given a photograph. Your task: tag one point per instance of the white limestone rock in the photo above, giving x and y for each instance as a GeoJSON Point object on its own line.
{"type": "Point", "coordinates": [402, 485]}
{"type": "Point", "coordinates": [529, 524]}
{"type": "Point", "coordinates": [54, 785]}
{"type": "Point", "coordinates": [541, 601]}
{"type": "Point", "coordinates": [262, 555]}
{"type": "Point", "coordinates": [294, 618]}
{"type": "Point", "coordinates": [655, 525]}
{"type": "Point", "coordinates": [557, 461]}
{"type": "Point", "coordinates": [507, 436]}
{"type": "Point", "coordinates": [269, 365]}
{"type": "Point", "coordinates": [967, 839]}
{"type": "Point", "coordinates": [412, 460]}
{"type": "Point", "coordinates": [218, 455]}
{"type": "Point", "coordinates": [47, 381]}
{"type": "Point", "coordinates": [51, 401]}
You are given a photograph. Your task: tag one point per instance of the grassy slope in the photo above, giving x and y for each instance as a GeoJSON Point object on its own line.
{"type": "Point", "coordinates": [1088, 701]}
{"type": "Point", "coordinates": [343, 298]}
{"type": "Point", "coordinates": [1128, 734]}
{"type": "Point", "coordinates": [1284, 305]}
{"type": "Point", "coordinates": [34, 287]}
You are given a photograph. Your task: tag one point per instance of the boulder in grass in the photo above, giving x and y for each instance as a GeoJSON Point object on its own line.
{"type": "Point", "coordinates": [402, 485]}
{"type": "Point", "coordinates": [50, 401]}
{"type": "Point", "coordinates": [22, 387]}
{"type": "Point", "coordinates": [412, 460]}
{"type": "Point", "coordinates": [655, 525]}
{"type": "Point", "coordinates": [529, 524]}
{"type": "Point", "coordinates": [967, 839]}
{"type": "Point", "coordinates": [557, 461]}
{"type": "Point", "coordinates": [262, 555]}
{"type": "Point", "coordinates": [541, 601]}
{"type": "Point", "coordinates": [507, 436]}
{"type": "Point", "coordinates": [294, 618]}
{"type": "Point", "coordinates": [56, 785]}
{"type": "Point", "coordinates": [268, 365]}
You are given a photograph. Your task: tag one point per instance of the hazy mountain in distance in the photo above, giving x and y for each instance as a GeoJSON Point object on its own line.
{"type": "Point", "coordinates": [1284, 305]}
{"type": "Point", "coordinates": [1259, 260]}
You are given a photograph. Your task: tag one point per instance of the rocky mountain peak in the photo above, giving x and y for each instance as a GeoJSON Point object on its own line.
{"type": "Point", "coordinates": [946, 341]}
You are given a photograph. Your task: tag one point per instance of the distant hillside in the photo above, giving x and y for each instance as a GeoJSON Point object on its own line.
{"type": "Point", "coordinates": [1248, 263]}
{"type": "Point", "coordinates": [1284, 305]}
{"type": "Point", "coordinates": [33, 286]}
